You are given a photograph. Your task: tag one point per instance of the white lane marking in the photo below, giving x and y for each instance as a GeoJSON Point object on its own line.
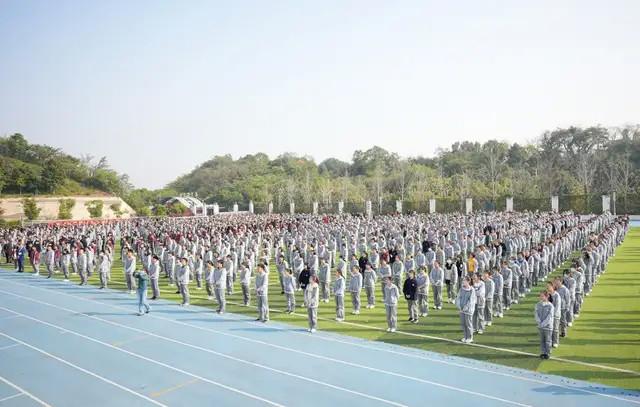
{"type": "Point", "coordinates": [11, 397]}
{"type": "Point", "coordinates": [321, 337]}
{"type": "Point", "coordinates": [140, 357]}
{"type": "Point", "coordinates": [288, 350]}
{"type": "Point", "coordinates": [23, 391]}
{"type": "Point", "coordinates": [97, 376]}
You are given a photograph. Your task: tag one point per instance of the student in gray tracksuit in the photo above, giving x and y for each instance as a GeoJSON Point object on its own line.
{"type": "Point", "coordinates": [289, 284]}
{"type": "Point", "coordinates": [489, 292]}
{"type": "Point", "coordinates": [82, 267]}
{"type": "Point", "coordinates": [436, 276]}
{"type": "Point", "coordinates": [397, 271]}
{"type": "Point", "coordinates": [49, 260]}
{"type": "Point", "coordinates": [324, 278]}
{"type": "Point", "coordinates": [384, 272]}
{"type": "Point", "coordinates": [478, 315]}
{"type": "Point", "coordinates": [497, 293]}
{"type": "Point", "coordinates": [208, 271]}
{"type": "Point", "coordinates": [312, 293]}
{"type": "Point", "coordinates": [391, 305]}
{"type": "Point", "coordinates": [507, 282]}
{"type": "Point", "coordinates": [579, 277]}
{"type": "Point", "coordinates": [218, 281]}
{"type": "Point", "coordinates": [370, 278]}
{"type": "Point", "coordinates": [565, 304]}
{"type": "Point", "coordinates": [262, 292]}
{"type": "Point", "coordinates": [466, 303]}
{"type": "Point", "coordinates": [103, 269]}
{"type": "Point", "coordinates": [66, 261]}
{"type": "Point", "coordinates": [355, 286]}
{"type": "Point", "coordinates": [422, 279]}
{"type": "Point", "coordinates": [245, 283]}
{"type": "Point", "coordinates": [544, 319]}
{"type": "Point", "coordinates": [555, 299]}
{"type": "Point", "coordinates": [129, 269]}
{"type": "Point", "coordinates": [339, 288]}
{"type": "Point", "coordinates": [184, 273]}
{"type": "Point", "coordinates": [154, 274]}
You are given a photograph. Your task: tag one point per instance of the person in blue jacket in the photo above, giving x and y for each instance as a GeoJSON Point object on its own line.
{"type": "Point", "coordinates": [143, 282]}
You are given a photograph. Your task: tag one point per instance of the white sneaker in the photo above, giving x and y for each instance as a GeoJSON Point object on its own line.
{"type": "Point", "coordinates": [489, 323]}
{"type": "Point", "coordinates": [66, 280]}
{"type": "Point", "coordinates": [480, 332]}
{"type": "Point", "coordinates": [309, 330]}
{"type": "Point", "coordinates": [210, 298]}
{"type": "Point", "coordinates": [501, 315]}
{"type": "Point", "coordinates": [373, 306]}
{"type": "Point", "coordinates": [469, 340]}
{"type": "Point", "coordinates": [555, 345]}
{"type": "Point", "coordinates": [388, 329]}
{"type": "Point", "coordinates": [186, 304]}
{"type": "Point", "coordinates": [570, 324]}
{"type": "Point", "coordinates": [463, 340]}
{"type": "Point", "coordinates": [312, 330]}
{"type": "Point", "coordinates": [339, 319]}
{"type": "Point", "coordinates": [393, 330]}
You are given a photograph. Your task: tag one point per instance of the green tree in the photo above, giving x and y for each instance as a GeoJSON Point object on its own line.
{"type": "Point", "coordinates": [95, 208]}
{"type": "Point", "coordinates": [65, 207]}
{"type": "Point", "coordinates": [178, 208]}
{"type": "Point", "coordinates": [144, 211]}
{"type": "Point", "coordinates": [52, 176]}
{"type": "Point", "coordinates": [30, 208]}
{"type": "Point", "coordinates": [160, 210]}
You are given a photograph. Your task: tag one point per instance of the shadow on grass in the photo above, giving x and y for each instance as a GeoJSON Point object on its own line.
{"type": "Point", "coordinates": [583, 390]}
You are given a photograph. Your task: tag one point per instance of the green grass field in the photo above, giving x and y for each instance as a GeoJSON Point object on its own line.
{"type": "Point", "coordinates": [607, 334]}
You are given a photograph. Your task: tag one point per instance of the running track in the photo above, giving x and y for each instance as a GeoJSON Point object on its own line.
{"type": "Point", "coordinates": [64, 345]}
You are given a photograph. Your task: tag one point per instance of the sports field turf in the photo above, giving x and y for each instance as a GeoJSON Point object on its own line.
{"type": "Point", "coordinates": [603, 345]}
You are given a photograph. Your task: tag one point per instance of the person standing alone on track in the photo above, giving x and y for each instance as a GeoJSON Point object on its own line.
{"type": "Point", "coordinates": [143, 281]}
{"type": "Point", "coordinates": [391, 305]}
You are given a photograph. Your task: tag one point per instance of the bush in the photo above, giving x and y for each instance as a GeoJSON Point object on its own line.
{"type": "Point", "coordinates": [144, 211]}
{"type": "Point", "coordinates": [178, 208]}
{"type": "Point", "coordinates": [116, 208]}
{"type": "Point", "coordinates": [95, 208]}
{"type": "Point", "coordinates": [160, 210]}
{"type": "Point", "coordinates": [65, 207]}
{"type": "Point", "coordinates": [30, 208]}
{"type": "Point", "coordinates": [9, 224]}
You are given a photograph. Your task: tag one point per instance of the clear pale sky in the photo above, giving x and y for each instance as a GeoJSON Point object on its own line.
{"type": "Point", "coordinates": [161, 86]}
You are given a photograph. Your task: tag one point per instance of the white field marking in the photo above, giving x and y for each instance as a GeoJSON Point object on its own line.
{"type": "Point", "coordinates": [477, 345]}
{"type": "Point", "coordinates": [147, 359]}
{"type": "Point", "coordinates": [9, 317]}
{"type": "Point", "coordinates": [9, 346]}
{"type": "Point", "coordinates": [321, 337]}
{"type": "Point", "coordinates": [148, 334]}
{"type": "Point", "coordinates": [23, 391]}
{"type": "Point", "coordinates": [80, 368]}
{"type": "Point", "coordinates": [11, 397]}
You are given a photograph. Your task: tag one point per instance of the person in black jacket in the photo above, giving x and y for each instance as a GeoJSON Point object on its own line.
{"type": "Point", "coordinates": [303, 280]}
{"type": "Point", "coordinates": [362, 262]}
{"type": "Point", "coordinates": [410, 290]}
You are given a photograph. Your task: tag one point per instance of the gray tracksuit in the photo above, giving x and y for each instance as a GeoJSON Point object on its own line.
{"type": "Point", "coordinates": [466, 303]}
{"type": "Point", "coordinates": [311, 294]}
{"type": "Point", "coordinates": [338, 292]}
{"type": "Point", "coordinates": [391, 305]}
{"type": "Point", "coordinates": [262, 291]}
{"type": "Point", "coordinates": [544, 319]}
{"type": "Point", "coordinates": [437, 281]}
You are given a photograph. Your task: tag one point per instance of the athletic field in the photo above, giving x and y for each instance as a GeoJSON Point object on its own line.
{"type": "Point", "coordinates": [77, 339]}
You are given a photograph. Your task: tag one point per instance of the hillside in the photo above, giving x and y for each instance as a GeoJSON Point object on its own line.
{"type": "Point", "coordinates": [567, 162]}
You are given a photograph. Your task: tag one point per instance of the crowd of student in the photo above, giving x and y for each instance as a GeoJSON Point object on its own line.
{"type": "Point", "coordinates": [485, 262]}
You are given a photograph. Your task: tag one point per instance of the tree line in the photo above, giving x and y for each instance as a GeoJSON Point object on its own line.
{"type": "Point", "coordinates": [565, 161]}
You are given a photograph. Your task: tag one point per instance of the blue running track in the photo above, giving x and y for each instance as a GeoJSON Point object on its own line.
{"type": "Point", "coordinates": [65, 345]}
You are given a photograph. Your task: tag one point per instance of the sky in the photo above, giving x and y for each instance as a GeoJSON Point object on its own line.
{"type": "Point", "coordinates": [160, 86]}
